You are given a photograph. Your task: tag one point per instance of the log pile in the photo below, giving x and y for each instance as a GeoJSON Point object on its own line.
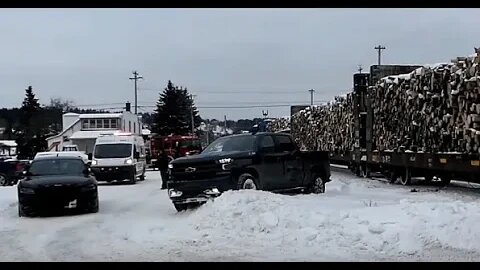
{"type": "Point", "coordinates": [279, 124]}
{"type": "Point", "coordinates": [325, 127]}
{"type": "Point", "coordinates": [432, 109]}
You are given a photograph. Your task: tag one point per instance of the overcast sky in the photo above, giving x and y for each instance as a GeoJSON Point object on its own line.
{"type": "Point", "coordinates": [254, 56]}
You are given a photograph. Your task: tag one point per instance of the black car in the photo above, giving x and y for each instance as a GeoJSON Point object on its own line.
{"type": "Point", "coordinates": [264, 161]}
{"type": "Point", "coordinates": [56, 183]}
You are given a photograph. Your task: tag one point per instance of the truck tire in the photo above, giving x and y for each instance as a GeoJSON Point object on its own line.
{"type": "Point", "coordinates": [133, 179]}
{"type": "Point", "coordinates": [3, 180]}
{"type": "Point", "coordinates": [247, 181]}
{"type": "Point", "coordinates": [180, 206]}
{"type": "Point", "coordinates": [406, 179]}
{"type": "Point", "coordinates": [142, 177]}
{"type": "Point", "coordinates": [23, 213]}
{"type": "Point", "coordinates": [316, 186]}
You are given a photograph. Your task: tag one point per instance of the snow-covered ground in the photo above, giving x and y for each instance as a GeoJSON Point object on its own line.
{"type": "Point", "coordinates": [356, 220]}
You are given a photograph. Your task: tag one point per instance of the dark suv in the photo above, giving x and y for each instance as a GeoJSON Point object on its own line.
{"type": "Point", "coordinates": [264, 161]}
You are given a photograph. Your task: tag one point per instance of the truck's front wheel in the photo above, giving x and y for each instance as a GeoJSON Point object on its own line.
{"type": "Point", "coordinates": [133, 179]}
{"type": "Point", "coordinates": [247, 181]}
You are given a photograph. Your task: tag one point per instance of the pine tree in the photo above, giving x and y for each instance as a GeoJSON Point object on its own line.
{"type": "Point", "coordinates": [173, 112]}
{"type": "Point", "coordinates": [31, 133]}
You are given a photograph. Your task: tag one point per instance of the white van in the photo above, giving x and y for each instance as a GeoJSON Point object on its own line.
{"type": "Point", "coordinates": [120, 156]}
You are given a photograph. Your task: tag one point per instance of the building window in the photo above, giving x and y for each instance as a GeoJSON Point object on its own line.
{"type": "Point", "coordinates": [129, 126]}
{"type": "Point", "coordinates": [85, 124]}
{"type": "Point", "coordinates": [124, 127]}
{"type": "Point", "coordinates": [134, 127]}
{"type": "Point", "coordinates": [113, 123]}
{"type": "Point", "coordinates": [92, 123]}
{"type": "Point", "coordinates": [99, 123]}
{"type": "Point", "coordinates": [106, 123]}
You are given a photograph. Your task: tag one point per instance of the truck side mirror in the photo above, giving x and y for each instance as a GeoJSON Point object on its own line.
{"type": "Point", "coordinates": [90, 156]}
{"type": "Point", "coordinates": [136, 155]}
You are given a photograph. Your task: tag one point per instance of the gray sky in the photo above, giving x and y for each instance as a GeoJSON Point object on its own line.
{"type": "Point", "coordinates": [256, 56]}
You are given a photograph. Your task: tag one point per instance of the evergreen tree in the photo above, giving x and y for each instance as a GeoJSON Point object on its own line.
{"type": "Point", "coordinates": [173, 112]}
{"type": "Point", "coordinates": [31, 132]}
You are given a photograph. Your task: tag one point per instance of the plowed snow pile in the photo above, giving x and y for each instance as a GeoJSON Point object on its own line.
{"type": "Point", "coordinates": [312, 225]}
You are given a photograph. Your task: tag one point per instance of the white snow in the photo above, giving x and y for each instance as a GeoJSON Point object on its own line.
{"type": "Point", "coordinates": [354, 220]}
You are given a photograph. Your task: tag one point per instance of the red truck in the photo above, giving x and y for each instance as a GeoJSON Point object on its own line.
{"type": "Point", "coordinates": [172, 147]}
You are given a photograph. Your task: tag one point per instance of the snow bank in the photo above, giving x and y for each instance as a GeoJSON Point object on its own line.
{"type": "Point", "coordinates": [310, 222]}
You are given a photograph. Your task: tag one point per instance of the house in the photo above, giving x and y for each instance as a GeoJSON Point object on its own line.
{"type": "Point", "coordinates": [8, 148]}
{"type": "Point", "coordinates": [83, 129]}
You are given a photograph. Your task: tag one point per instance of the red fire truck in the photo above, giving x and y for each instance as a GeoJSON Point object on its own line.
{"type": "Point", "coordinates": [173, 146]}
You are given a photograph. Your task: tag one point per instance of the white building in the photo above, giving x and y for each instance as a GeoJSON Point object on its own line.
{"type": "Point", "coordinates": [8, 148]}
{"type": "Point", "coordinates": [83, 129]}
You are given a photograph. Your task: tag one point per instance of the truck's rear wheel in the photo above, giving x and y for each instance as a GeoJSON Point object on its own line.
{"type": "Point", "coordinates": [247, 181]}
{"type": "Point", "coordinates": [142, 177]}
{"type": "Point", "coordinates": [317, 186]}
{"type": "Point", "coordinates": [406, 179]}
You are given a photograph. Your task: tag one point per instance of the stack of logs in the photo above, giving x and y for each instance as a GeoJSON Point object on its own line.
{"type": "Point", "coordinates": [279, 124]}
{"type": "Point", "coordinates": [325, 127]}
{"type": "Point", "coordinates": [432, 109]}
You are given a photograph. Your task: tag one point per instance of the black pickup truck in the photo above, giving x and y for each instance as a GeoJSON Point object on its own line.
{"type": "Point", "coordinates": [263, 161]}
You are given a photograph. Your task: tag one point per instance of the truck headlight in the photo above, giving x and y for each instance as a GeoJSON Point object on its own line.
{"type": "Point", "coordinates": [174, 193]}
{"type": "Point", "coordinates": [129, 161]}
{"type": "Point", "coordinates": [225, 160]}
{"type": "Point", "coordinates": [94, 162]}
{"type": "Point", "coordinates": [170, 166]}
{"type": "Point", "coordinates": [26, 190]}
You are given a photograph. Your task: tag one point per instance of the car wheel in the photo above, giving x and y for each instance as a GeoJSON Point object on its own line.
{"type": "Point", "coordinates": [247, 181]}
{"type": "Point", "coordinates": [445, 180]}
{"type": "Point", "coordinates": [317, 186]}
{"type": "Point", "coordinates": [180, 206]}
{"type": "Point", "coordinates": [3, 180]}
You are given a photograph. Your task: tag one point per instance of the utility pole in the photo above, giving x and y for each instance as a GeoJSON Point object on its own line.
{"type": "Point", "coordinates": [191, 114]}
{"type": "Point", "coordinates": [311, 96]}
{"type": "Point", "coordinates": [136, 78]}
{"type": "Point", "coordinates": [360, 69]}
{"type": "Point", "coordinates": [379, 48]}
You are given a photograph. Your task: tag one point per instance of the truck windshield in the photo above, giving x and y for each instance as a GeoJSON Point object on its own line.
{"type": "Point", "coordinates": [189, 144]}
{"type": "Point", "coordinates": [120, 150]}
{"type": "Point", "coordinates": [234, 143]}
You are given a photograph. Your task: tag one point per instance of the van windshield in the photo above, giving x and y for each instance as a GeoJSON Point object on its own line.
{"type": "Point", "coordinates": [119, 150]}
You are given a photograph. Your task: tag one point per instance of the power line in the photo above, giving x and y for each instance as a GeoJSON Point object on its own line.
{"type": "Point", "coordinates": [235, 107]}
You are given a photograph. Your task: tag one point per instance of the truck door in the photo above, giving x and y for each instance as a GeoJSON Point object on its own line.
{"type": "Point", "coordinates": [271, 167]}
{"type": "Point", "coordinates": [292, 164]}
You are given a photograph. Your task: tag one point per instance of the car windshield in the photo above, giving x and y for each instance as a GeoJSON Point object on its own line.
{"type": "Point", "coordinates": [234, 143]}
{"type": "Point", "coordinates": [120, 150]}
{"type": "Point", "coordinates": [57, 167]}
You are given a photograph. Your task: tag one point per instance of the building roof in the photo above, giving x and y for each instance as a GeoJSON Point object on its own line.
{"type": "Point", "coordinates": [100, 115]}
{"type": "Point", "coordinates": [9, 143]}
{"type": "Point", "coordinates": [90, 134]}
